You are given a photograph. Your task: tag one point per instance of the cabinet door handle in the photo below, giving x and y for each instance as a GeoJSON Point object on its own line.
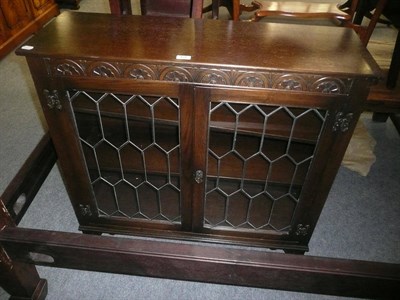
{"type": "Point", "coordinates": [198, 176]}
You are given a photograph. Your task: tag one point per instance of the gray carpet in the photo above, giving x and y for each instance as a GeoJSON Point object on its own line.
{"type": "Point", "coordinates": [361, 219]}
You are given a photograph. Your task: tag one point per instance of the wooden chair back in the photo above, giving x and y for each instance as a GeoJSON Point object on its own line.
{"type": "Point", "coordinates": [120, 7]}
{"type": "Point", "coordinates": [299, 9]}
{"type": "Point", "coordinates": [176, 8]}
{"type": "Point", "coordinates": [316, 10]}
{"type": "Point", "coordinates": [365, 32]}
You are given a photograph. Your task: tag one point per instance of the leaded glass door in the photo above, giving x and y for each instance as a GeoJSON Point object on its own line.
{"type": "Point", "coordinates": [131, 143]}
{"type": "Point", "coordinates": [260, 151]}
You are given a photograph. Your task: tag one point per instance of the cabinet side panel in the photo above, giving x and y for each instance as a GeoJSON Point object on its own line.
{"type": "Point", "coordinates": [343, 118]}
{"type": "Point", "coordinates": [57, 111]}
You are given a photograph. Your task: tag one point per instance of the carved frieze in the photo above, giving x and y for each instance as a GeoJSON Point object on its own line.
{"type": "Point", "coordinates": [200, 74]}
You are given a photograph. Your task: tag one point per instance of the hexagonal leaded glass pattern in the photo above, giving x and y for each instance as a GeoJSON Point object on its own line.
{"type": "Point", "coordinates": [258, 160]}
{"type": "Point", "coordinates": [132, 151]}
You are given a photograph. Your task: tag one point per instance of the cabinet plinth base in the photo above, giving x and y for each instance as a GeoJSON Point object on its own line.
{"type": "Point", "coordinates": [288, 246]}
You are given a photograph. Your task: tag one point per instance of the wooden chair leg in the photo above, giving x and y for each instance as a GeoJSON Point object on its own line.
{"type": "Point", "coordinates": [374, 20]}
{"type": "Point", "coordinates": [215, 9]}
{"type": "Point", "coordinates": [396, 121]}
{"type": "Point", "coordinates": [120, 7]}
{"type": "Point", "coordinates": [380, 117]}
{"type": "Point", "coordinates": [394, 69]}
{"type": "Point", "coordinates": [197, 9]}
{"type": "Point", "coordinates": [216, 4]}
{"type": "Point", "coordinates": [229, 5]}
{"type": "Point", "coordinates": [391, 82]}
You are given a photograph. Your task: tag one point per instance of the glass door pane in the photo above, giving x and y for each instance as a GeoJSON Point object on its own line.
{"type": "Point", "coordinates": [131, 145]}
{"type": "Point", "coordinates": [258, 159]}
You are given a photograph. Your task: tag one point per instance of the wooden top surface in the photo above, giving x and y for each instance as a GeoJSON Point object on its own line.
{"type": "Point", "coordinates": [281, 47]}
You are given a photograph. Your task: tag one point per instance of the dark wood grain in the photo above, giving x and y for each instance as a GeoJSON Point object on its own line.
{"type": "Point", "coordinates": [261, 45]}
{"type": "Point", "coordinates": [19, 279]}
{"type": "Point", "coordinates": [29, 179]}
{"type": "Point", "coordinates": [238, 143]}
{"type": "Point", "coordinates": [20, 19]}
{"type": "Point", "coordinates": [120, 7]}
{"type": "Point", "coordinates": [204, 263]}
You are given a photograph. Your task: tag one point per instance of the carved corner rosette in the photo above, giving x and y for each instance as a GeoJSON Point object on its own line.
{"type": "Point", "coordinates": [85, 210]}
{"type": "Point", "coordinates": [302, 230]}
{"type": "Point", "coordinates": [342, 121]}
{"type": "Point", "coordinates": [52, 99]}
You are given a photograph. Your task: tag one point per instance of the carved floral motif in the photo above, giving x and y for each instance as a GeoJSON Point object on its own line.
{"type": "Point", "coordinates": [103, 69]}
{"type": "Point", "coordinates": [290, 82]}
{"type": "Point", "coordinates": [176, 74]}
{"type": "Point", "coordinates": [214, 77]}
{"type": "Point", "coordinates": [69, 68]}
{"type": "Point", "coordinates": [53, 99]}
{"type": "Point", "coordinates": [202, 75]}
{"type": "Point", "coordinates": [85, 210]}
{"type": "Point", "coordinates": [139, 71]}
{"type": "Point", "coordinates": [329, 86]}
{"type": "Point", "coordinates": [252, 80]}
{"type": "Point", "coordinates": [342, 121]}
{"type": "Point", "coordinates": [302, 230]}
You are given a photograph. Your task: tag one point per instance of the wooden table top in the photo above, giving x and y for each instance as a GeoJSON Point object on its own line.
{"type": "Point", "coordinates": [271, 46]}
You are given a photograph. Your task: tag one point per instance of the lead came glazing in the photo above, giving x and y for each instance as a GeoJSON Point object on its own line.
{"type": "Point", "coordinates": [132, 151]}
